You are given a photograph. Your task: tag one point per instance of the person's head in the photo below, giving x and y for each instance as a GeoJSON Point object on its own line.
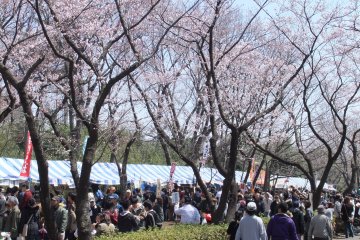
{"type": "Point", "coordinates": [12, 201]}
{"type": "Point", "coordinates": [251, 208]}
{"type": "Point", "coordinates": [307, 204]}
{"type": "Point", "coordinates": [24, 187]}
{"type": "Point", "coordinates": [257, 196]}
{"type": "Point", "coordinates": [282, 207]}
{"type": "Point", "coordinates": [55, 201]}
{"type": "Point", "coordinates": [296, 204]}
{"type": "Point", "coordinates": [338, 197]}
{"type": "Point", "coordinates": [330, 205]}
{"type": "Point", "coordinates": [321, 209]}
{"type": "Point", "coordinates": [32, 202]}
{"type": "Point", "coordinates": [347, 200]}
{"type": "Point", "coordinates": [147, 205]}
{"type": "Point", "coordinates": [71, 197]}
{"type": "Point", "coordinates": [103, 218]}
{"type": "Point", "coordinates": [277, 198]}
{"type": "Point", "coordinates": [125, 204]}
{"type": "Point", "coordinates": [134, 200]}
{"type": "Point", "coordinates": [112, 189]}
{"type": "Point", "coordinates": [128, 194]}
{"type": "Point", "coordinates": [187, 200]}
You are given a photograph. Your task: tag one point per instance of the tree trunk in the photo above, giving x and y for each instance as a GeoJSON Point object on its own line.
{"type": "Point", "coordinates": [42, 165]}
{"type": "Point", "coordinates": [350, 187]}
{"type": "Point", "coordinates": [123, 175]}
{"type": "Point", "coordinates": [232, 202]}
{"type": "Point", "coordinates": [218, 214]}
{"type": "Point", "coordinates": [82, 202]}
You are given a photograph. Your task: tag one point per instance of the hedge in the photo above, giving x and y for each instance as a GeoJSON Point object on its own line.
{"type": "Point", "coordinates": [176, 232]}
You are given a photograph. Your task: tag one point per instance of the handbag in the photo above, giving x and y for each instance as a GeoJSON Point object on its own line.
{"type": "Point", "coordinates": [25, 227]}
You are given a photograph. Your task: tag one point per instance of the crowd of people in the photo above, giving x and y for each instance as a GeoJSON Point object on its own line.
{"type": "Point", "coordinates": [289, 212]}
{"type": "Point", "coordinates": [291, 216]}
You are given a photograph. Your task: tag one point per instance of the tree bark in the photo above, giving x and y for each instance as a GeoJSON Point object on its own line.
{"type": "Point", "coordinates": [232, 202]}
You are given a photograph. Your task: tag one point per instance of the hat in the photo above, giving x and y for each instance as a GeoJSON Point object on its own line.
{"type": "Point", "coordinates": [251, 206]}
{"type": "Point", "coordinates": [321, 209]}
{"type": "Point", "coordinates": [128, 191]}
{"type": "Point", "coordinates": [56, 198]}
{"type": "Point", "coordinates": [113, 196]}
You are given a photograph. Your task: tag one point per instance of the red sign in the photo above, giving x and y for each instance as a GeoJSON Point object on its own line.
{"type": "Point", "coordinates": [25, 170]}
{"type": "Point", "coordinates": [172, 169]}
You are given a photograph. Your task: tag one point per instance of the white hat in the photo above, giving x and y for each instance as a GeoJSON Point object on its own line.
{"type": "Point", "coordinates": [251, 206]}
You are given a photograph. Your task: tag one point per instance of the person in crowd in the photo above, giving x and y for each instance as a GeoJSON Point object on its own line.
{"type": "Point", "coordinates": [281, 226]}
{"type": "Point", "coordinates": [298, 218]}
{"type": "Point", "coordinates": [274, 205]}
{"type": "Point", "coordinates": [320, 226]}
{"type": "Point", "coordinates": [346, 214]}
{"type": "Point", "coordinates": [127, 222]}
{"type": "Point", "coordinates": [268, 199]}
{"type": "Point", "coordinates": [337, 214]}
{"type": "Point", "coordinates": [128, 194]}
{"type": "Point", "coordinates": [94, 209]}
{"type": "Point", "coordinates": [2, 209]}
{"type": "Point", "coordinates": [114, 207]}
{"type": "Point", "coordinates": [233, 225]}
{"type": "Point", "coordinates": [13, 217]}
{"type": "Point", "coordinates": [188, 213]}
{"type": "Point", "coordinates": [307, 218]}
{"type": "Point", "coordinates": [104, 225]}
{"type": "Point", "coordinates": [251, 227]}
{"type": "Point", "coordinates": [24, 196]}
{"type": "Point", "coordinates": [158, 208]}
{"type": "Point", "coordinates": [260, 206]}
{"type": "Point", "coordinates": [60, 216]}
{"type": "Point", "coordinates": [165, 200]}
{"type": "Point", "coordinates": [71, 223]}
{"type": "Point", "coordinates": [329, 212]}
{"type": "Point", "coordinates": [151, 218]}
{"type": "Point", "coordinates": [138, 210]}
{"type": "Point", "coordinates": [98, 194]}
{"type": "Point", "coordinates": [30, 216]}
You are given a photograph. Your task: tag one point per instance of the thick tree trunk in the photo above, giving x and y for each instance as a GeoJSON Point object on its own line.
{"type": "Point", "coordinates": [42, 165]}
{"type": "Point", "coordinates": [218, 214]}
{"type": "Point", "coordinates": [350, 187]}
{"type": "Point", "coordinates": [123, 175]}
{"type": "Point", "coordinates": [232, 202]}
{"type": "Point", "coordinates": [82, 202]}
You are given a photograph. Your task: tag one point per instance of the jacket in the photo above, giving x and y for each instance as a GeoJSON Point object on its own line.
{"type": "Point", "coordinates": [320, 226]}
{"type": "Point", "coordinates": [61, 218]}
{"type": "Point", "coordinates": [12, 221]}
{"type": "Point", "coordinates": [281, 227]}
{"type": "Point", "coordinates": [127, 222]}
{"type": "Point", "coordinates": [33, 223]}
{"type": "Point", "coordinates": [298, 218]}
{"type": "Point", "coordinates": [251, 228]}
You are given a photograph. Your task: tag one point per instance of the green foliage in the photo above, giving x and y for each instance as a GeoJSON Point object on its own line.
{"type": "Point", "coordinates": [177, 232]}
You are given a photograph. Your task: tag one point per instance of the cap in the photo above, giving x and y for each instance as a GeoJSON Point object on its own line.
{"type": "Point", "coordinates": [321, 209]}
{"type": "Point", "coordinates": [251, 206]}
{"type": "Point", "coordinates": [128, 191]}
{"type": "Point", "coordinates": [113, 196]}
{"type": "Point", "coordinates": [56, 198]}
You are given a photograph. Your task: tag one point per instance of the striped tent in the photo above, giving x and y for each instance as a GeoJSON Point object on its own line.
{"type": "Point", "coordinates": [107, 173]}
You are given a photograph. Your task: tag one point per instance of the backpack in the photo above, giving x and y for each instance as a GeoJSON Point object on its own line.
{"type": "Point", "coordinates": [156, 218]}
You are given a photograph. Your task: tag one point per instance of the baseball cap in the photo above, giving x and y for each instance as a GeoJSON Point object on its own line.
{"type": "Point", "coordinates": [251, 206]}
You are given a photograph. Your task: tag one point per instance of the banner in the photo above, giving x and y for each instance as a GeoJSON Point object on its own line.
{"type": "Point", "coordinates": [172, 169]}
{"type": "Point", "coordinates": [25, 170]}
{"type": "Point", "coordinates": [205, 155]}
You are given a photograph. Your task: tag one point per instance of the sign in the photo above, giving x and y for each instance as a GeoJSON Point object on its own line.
{"type": "Point", "coordinates": [172, 169]}
{"type": "Point", "coordinates": [25, 170]}
{"type": "Point", "coordinates": [205, 155]}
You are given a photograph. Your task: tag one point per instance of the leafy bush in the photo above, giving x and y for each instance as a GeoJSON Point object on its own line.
{"type": "Point", "coordinates": [176, 232]}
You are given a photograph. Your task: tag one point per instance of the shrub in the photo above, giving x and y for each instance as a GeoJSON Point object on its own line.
{"type": "Point", "coordinates": [176, 232]}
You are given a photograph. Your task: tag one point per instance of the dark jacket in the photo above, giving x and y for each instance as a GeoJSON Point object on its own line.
{"type": "Point", "coordinates": [273, 208]}
{"type": "Point", "coordinates": [31, 215]}
{"type": "Point", "coordinates": [281, 227]}
{"type": "Point", "coordinates": [127, 222]}
{"type": "Point", "coordinates": [346, 210]}
{"type": "Point", "coordinates": [298, 218]}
